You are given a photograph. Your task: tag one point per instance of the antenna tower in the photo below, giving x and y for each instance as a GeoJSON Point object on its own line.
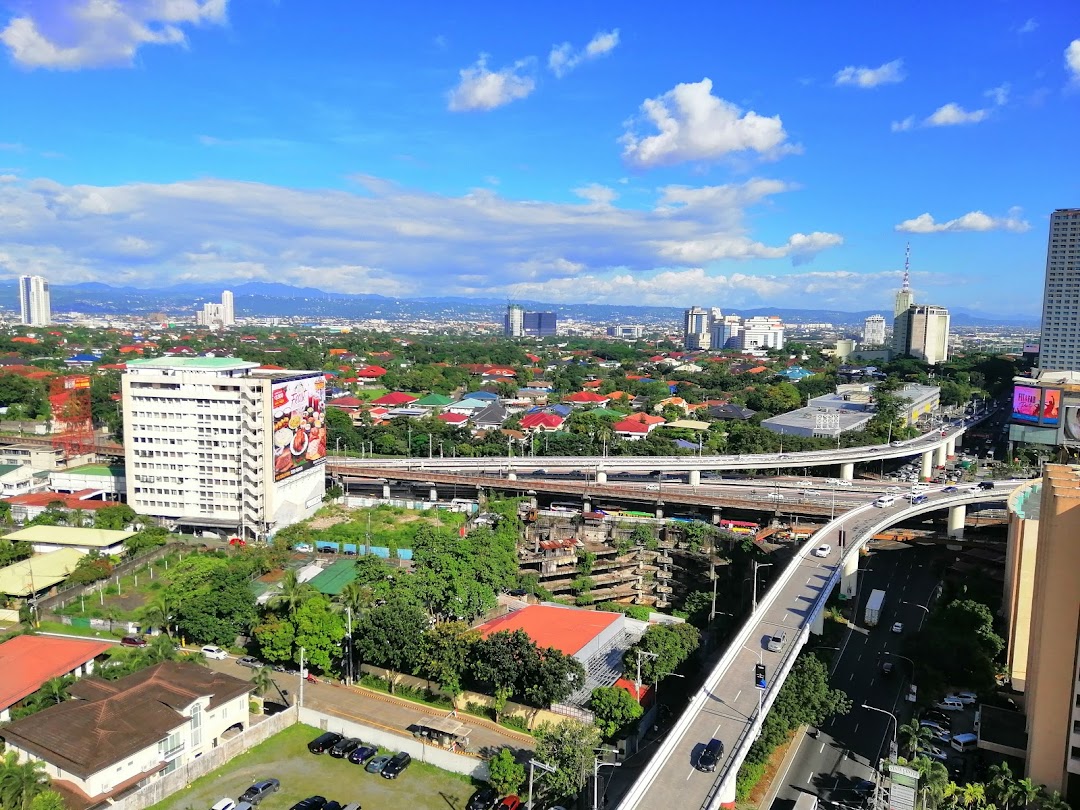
{"type": "Point", "coordinates": [907, 268]}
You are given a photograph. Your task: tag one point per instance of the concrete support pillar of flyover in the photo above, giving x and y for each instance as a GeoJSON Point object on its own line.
{"type": "Point", "coordinates": [511, 476]}
{"type": "Point", "coordinates": [957, 518]}
{"type": "Point", "coordinates": [847, 471]}
{"type": "Point", "coordinates": [726, 792]}
{"type": "Point", "coordinates": [716, 516]}
{"type": "Point", "coordinates": [695, 478]}
{"type": "Point", "coordinates": [433, 495]}
{"type": "Point", "coordinates": [586, 505]}
{"type": "Point", "coordinates": [941, 454]}
{"type": "Point", "coordinates": [927, 465]}
{"type": "Point", "coordinates": [386, 491]}
{"type": "Point", "coordinates": [817, 627]}
{"type": "Point", "coordinates": [950, 447]}
{"type": "Point", "coordinates": [601, 476]}
{"type": "Point", "coordinates": [660, 510]}
{"type": "Point", "coordinates": [849, 578]}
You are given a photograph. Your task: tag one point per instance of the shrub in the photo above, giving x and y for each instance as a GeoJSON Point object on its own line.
{"type": "Point", "coordinates": [749, 775]}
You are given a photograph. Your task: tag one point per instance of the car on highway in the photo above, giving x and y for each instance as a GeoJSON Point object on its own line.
{"type": "Point", "coordinates": [918, 499]}
{"type": "Point", "coordinates": [896, 444]}
{"type": "Point", "coordinates": [215, 652]}
{"type": "Point", "coordinates": [324, 742]}
{"type": "Point", "coordinates": [710, 755]}
{"type": "Point", "coordinates": [986, 485]}
{"type": "Point", "coordinates": [483, 799]}
{"type": "Point", "coordinates": [362, 754]}
{"type": "Point", "coordinates": [919, 489]}
{"type": "Point", "coordinates": [775, 642]}
{"type": "Point", "coordinates": [887, 668]}
{"type": "Point", "coordinates": [378, 763]}
{"type": "Point", "coordinates": [249, 661]}
{"type": "Point", "coordinates": [824, 550]}
{"type": "Point", "coordinates": [898, 627]}
{"type": "Point", "coordinates": [885, 501]}
{"type": "Point", "coordinates": [894, 490]}
{"type": "Point", "coordinates": [397, 764]}
{"type": "Point", "coordinates": [260, 790]}
{"type": "Point", "coordinates": [949, 490]}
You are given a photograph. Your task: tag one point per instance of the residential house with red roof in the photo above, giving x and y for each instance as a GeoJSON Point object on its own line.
{"type": "Point", "coordinates": [637, 426]}
{"type": "Point", "coordinates": [29, 661]}
{"type": "Point", "coordinates": [395, 399]}
{"type": "Point", "coordinates": [370, 374]}
{"type": "Point", "coordinates": [541, 422]}
{"type": "Point", "coordinates": [579, 633]}
{"type": "Point", "coordinates": [582, 398]}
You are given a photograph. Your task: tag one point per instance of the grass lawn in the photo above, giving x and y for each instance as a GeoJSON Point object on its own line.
{"type": "Point", "coordinates": [136, 589]}
{"type": "Point", "coordinates": [285, 757]}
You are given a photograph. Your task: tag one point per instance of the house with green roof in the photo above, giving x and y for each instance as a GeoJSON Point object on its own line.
{"type": "Point", "coordinates": [432, 401]}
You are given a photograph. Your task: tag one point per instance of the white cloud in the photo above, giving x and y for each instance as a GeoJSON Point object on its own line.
{"type": "Point", "coordinates": [951, 114]}
{"type": "Point", "coordinates": [1072, 60]}
{"type": "Point", "coordinates": [481, 88]}
{"type": "Point", "coordinates": [904, 125]}
{"type": "Point", "coordinates": [383, 238]}
{"type": "Point", "coordinates": [563, 58]}
{"type": "Point", "coordinates": [889, 73]}
{"type": "Point", "coordinates": [693, 124]}
{"type": "Point", "coordinates": [74, 34]}
{"type": "Point", "coordinates": [999, 95]}
{"type": "Point", "coordinates": [1030, 24]}
{"type": "Point", "coordinates": [972, 221]}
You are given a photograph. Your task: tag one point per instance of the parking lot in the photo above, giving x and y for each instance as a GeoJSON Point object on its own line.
{"type": "Point", "coordinates": [285, 757]}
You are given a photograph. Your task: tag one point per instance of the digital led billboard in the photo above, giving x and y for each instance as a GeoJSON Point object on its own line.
{"type": "Point", "coordinates": [1050, 413]}
{"type": "Point", "coordinates": [1026, 401]}
{"type": "Point", "coordinates": [299, 421]}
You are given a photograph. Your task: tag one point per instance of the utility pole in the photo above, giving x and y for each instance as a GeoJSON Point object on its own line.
{"type": "Point", "coordinates": [597, 765]}
{"type": "Point", "coordinates": [637, 682]}
{"type": "Point", "coordinates": [349, 646]}
{"type": "Point", "coordinates": [300, 693]}
{"type": "Point", "coordinates": [535, 763]}
{"type": "Point", "coordinates": [756, 565]}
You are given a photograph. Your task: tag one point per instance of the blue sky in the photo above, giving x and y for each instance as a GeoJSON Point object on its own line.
{"type": "Point", "coordinates": [714, 154]}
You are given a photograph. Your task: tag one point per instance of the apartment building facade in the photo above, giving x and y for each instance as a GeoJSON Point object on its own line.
{"type": "Point", "coordinates": [218, 444]}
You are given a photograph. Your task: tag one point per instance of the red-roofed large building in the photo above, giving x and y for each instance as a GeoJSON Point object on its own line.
{"type": "Point", "coordinates": [29, 506]}
{"type": "Point", "coordinates": [28, 661]}
{"type": "Point", "coordinates": [369, 374]}
{"type": "Point", "coordinates": [395, 399]}
{"type": "Point", "coordinates": [580, 633]}
{"type": "Point", "coordinates": [637, 426]}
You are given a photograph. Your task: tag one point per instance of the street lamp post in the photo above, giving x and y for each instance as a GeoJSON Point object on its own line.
{"type": "Point", "coordinates": [760, 692]}
{"type": "Point", "coordinates": [892, 751]}
{"type": "Point", "coordinates": [756, 565]}
{"type": "Point", "coordinates": [597, 765]}
{"type": "Point", "coordinates": [535, 763]}
{"type": "Point", "coordinates": [637, 681]}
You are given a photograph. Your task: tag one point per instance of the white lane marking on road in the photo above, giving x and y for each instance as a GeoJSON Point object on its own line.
{"type": "Point", "coordinates": [736, 698]}
{"type": "Point", "coordinates": [809, 580]}
{"type": "Point", "coordinates": [784, 619]}
{"type": "Point", "coordinates": [810, 777]}
{"type": "Point", "coordinates": [851, 677]}
{"type": "Point", "coordinates": [856, 727]}
{"type": "Point", "coordinates": [822, 749]}
{"type": "Point", "coordinates": [859, 658]}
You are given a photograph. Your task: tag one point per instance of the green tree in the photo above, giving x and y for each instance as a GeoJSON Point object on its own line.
{"type": "Point", "coordinates": [319, 630]}
{"type": "Point", "coordinates": [48, 800]}
{"type": "Point", "coordinates": [568, 747]}
{"type": "Point", "coordinates": [116, 517]}
{"type": "Point", "coordinates": [550, 678]}
{"type": "Point", "coordinates": [219, 610]}
{"type": "Point", "coordinates": [669, 645]}
{"type": "Point", "coordinates": [20, 783]}
{"type": "Point", "coordinates": [446, 651]}
{"type": "Point", "coordinates": [913, 736]}
{"type": "Point", "coordinates": [505, 773]}
{"type": "Point", "coordinates": [615, 711]}
{"type": "Point", "coordinates": [292, 595]}
{"type": "Point", "coordinates": [277, 639]}
{"type": "Point", "coordinates": [501, 660]}
{"type": "Point", "coordinates": [393, 635]}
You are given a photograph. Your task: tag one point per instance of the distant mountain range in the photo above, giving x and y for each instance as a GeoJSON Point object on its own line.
{"type": "Point", "coordinates": [269, 299]}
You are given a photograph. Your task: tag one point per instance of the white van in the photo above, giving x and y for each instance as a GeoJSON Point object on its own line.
{"type": "Point", "coordinates": [965, 742]}
{"type": "Point", "coordinates": [884, 501]}
{"type": "Point", "coordinates": [950, 705]}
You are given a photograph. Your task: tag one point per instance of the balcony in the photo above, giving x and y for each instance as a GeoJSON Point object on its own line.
{"type": "Point", "coordinates": [166, 752]}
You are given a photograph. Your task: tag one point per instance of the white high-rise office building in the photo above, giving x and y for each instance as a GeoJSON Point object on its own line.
{"type": "Point", "coordinates": [216, 443]}
{"type": "Point", "coordinates": [217, 316]}
{"type": "Point", "coordinates": [725, 332]}
{"type": "Point", "coordinates": [924, 331]}
{"type": "Point", "coordinates": [873, 333]}
{"type": "Point", "coordinates": [1059, 346]}
{"type": "Point", "coordinates": [697, 328]}
{"type": "Point", "coordinates": [35, 307]}
{"type": "Point", "coordinates": [228, 314]}
{"type": "Point", "coordinates": [762, 332]}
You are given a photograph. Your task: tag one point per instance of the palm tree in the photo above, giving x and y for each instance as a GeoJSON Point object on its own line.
{"type": "Point", "coordinates": [933, 777]}
{"type": "Point", "coordinates": [1052, 801]}
{"type": "Point", "coordinates": [158, 612]}
{"type": "Point", "coordinates": [20, 783]}
{"type": "Point", "coordinates": [1001, 785]}
{"type": "Point", "coordinates": [356, 597]}
{"type": "Point", "coordinates": [1027, 791]}
{"type": "Point", "coordinates": [293, 593]}
{"type": "Point", "coordinates": [973, 794]}
{"type": "Point", "coordinates": [914, 736]}
{"type": "Point", "coordinates": [54, 689]}
{"type": "Point", "coordinates": [161, 648]}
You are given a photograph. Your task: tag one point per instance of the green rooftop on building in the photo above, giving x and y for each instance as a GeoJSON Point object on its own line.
{"type": "Point", "coordinates": [333, 580]}
{"type": "Point", "coordinates": [433, 401]}
{"type": "Point", "coordinates": [210, 363]}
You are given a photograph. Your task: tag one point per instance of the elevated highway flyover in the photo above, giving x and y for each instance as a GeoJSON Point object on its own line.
{"type": "Point", "coordinates": [729, 706]}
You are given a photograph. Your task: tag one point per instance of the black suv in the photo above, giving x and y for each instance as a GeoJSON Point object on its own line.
{"type": "Point", "coordinates": [323, 743]}
{"type": "Point", "coordinates": [484, 799]}
{"type": "Point", "coordinates": [986, 485]}
{"type": "Point", "coordinates": [396, 765]}
{"type": "Point", "coordinates": [310, 803]}
{"type": "Point", "coordinates": [710, 756]}
{"type": "Point", "coordinates": [342, 748]}
{"type": "Point", "coordinates": [259, 791]}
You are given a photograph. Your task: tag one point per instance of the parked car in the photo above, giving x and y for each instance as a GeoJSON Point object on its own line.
{"type": "Point", "coordinates": [511, 803]}
{"type": "Point", "coordinates": [377, 764]}
{"type": "Point", "coordinates": [398, 763]}
{"type": "Point", "coordinates": [967, 698]}
{"type": "Point", "coordinates": [824, 550]}
{"type": "Point", "coordinates": [249, 661]}
{"type": "Point", "coordinates": [215, 652]}
{"type": "Point", "coordinates": [310, 803]}
{"type": "Point", "coordinates": [710, 756]}
{"type": "Point", "coordinates": [362, 754]}
{"type": "Point", "coordinates": [260, 790]}
{"type": "Point", "coordinates": [343, 747]}
{"type": "Point", "coordinates": [947, 705]}
{"type": "Point", "coordinates": [332, 805]}
{"type": "Point", "coordinates": [133, 641]}
{"type": "Point", "coordinates": [324, 742]}
{"type": "Point", "coordinates": [934, 726]}
{"type": "Point", "coordinates": [483, 799]}
{"type": "Point", "coordinates": [898, 627]}
{"type": "Point", "coordinates": [224, 804]}
{"type": "Point", "coordinates": [303, 548]}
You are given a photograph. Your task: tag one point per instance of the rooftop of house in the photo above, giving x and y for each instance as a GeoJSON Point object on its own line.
{"type": "Point", "coordinates": [70, 536]}
{"type": "Point", "coordinates": [564, 628]}
{"type": "Point", "coordinates": [28, 661]}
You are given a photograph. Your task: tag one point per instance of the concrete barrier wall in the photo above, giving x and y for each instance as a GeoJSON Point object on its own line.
{"type": "Point", "coordinates": [384, 738]}
{"type": "Point", "coordinates": [160, 789]}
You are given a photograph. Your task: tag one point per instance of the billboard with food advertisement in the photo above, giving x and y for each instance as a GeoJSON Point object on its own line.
{"type": "Point", "coordinates": [1026, 401]}
{"type": "Point", "coordinates": [299, 424]}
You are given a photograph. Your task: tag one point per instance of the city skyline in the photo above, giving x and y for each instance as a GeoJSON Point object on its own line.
{"type": "Point", "coordinates": [593, 156]}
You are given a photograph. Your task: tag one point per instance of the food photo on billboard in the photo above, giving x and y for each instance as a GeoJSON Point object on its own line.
{"type": "Point", "coordinates": [299, 414]}
{"type": "Point", "coordinates": [1026, 403]}
{"type": "Point", "coordinates": [1051, 407]}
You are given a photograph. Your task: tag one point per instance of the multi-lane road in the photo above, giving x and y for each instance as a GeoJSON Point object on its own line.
{"type": "Point", "coordinates": [844, 752]}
